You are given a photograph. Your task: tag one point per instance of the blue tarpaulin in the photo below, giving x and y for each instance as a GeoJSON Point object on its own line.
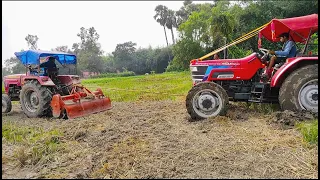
{"type": "Point", "coordinates": [33, 57]}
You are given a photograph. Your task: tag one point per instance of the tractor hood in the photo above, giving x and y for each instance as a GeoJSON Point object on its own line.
{"type": "Point", "coordinates": [14, 76]}
{"type": "Point", "coordinates": [201, 70]}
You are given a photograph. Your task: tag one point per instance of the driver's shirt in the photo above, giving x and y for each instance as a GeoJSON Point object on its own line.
{"type": "Point", "coordinates": [289, 50]}
{"type": "Point", "coordinates": [49, 64]}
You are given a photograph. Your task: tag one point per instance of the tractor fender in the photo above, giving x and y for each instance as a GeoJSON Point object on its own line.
{"type": "Point", "coordinates": [43, 80]}
{"type": "Point", "coordinates": [291, 65]}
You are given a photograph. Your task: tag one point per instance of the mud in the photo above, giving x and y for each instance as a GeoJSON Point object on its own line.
{"type": "Point", "coordinates": [287, 119]}
{"type": "Point", "coordinates": [158, 140]}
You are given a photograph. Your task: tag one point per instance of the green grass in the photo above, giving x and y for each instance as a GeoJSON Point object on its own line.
{"type": "Point", "coordinates": [35, 144]}
{"type": "Point", "coordinates": [309, 131]}
{"type": "Point", "coordinates": [15, 134]}
{"type": "Point", "coordinates": [166, 86]}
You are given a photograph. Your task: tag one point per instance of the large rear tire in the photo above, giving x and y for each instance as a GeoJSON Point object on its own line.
{"type": "Point", "coordinates": [300, 90]}
{"type": "Point", "coordinates": [6, 103]}
{"type": "Point", "coordinates": [35, 99]}
{"type": "Point", "coordinates": [206, 99]}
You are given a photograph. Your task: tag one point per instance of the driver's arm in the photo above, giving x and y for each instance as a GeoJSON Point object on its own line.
{"type": "Point", "coordinates": [286, 50]}
{"type": "Point", "coordinates": [44, 64]}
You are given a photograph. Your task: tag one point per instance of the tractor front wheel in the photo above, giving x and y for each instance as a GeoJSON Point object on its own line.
{"type": "Point", "coordinates": [206, 100]}
{"type": "Point", "coordinates": [6, 103]}
{"type": "Point", "coordinates": [300, 90]}
{"type": "Point", "coordinates": [35, 99]}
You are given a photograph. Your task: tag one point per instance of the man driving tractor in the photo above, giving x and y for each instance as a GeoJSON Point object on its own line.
{"type": "Point", "coordinates": [289, 50]}
{"type": "Point", "coordinates": [49, 65]}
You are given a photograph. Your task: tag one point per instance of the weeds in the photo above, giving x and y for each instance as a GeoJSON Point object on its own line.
{"type": "Point", "coordinates": [35, 142]}
{"type": "Point", "coordinates": [309, 131]}
{"type": "Point", "coordinates": [264, 108]}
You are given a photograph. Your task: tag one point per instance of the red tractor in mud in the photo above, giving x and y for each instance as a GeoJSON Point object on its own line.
{"type": "Point", "coordinates": [294, 83]}
{"type": "Point", "coordinates": [42, 92]}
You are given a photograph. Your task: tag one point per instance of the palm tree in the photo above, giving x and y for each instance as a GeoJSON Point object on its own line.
{"type": "Point", "coordinates": [161, 17]}
{"type": "Point", "coordinates": [171, 22]}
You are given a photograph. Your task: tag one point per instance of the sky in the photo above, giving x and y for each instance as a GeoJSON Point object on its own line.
{"type": "Point", "coordinates": [56, 23]}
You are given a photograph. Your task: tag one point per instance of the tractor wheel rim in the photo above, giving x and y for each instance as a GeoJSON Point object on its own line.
{"type": "Point", "coordinates": [34, 99]}
{"type": "Point", "coordinates": [31, 101]}
{"type": "Point", "coordinates": [4, 105]}
{"type": "Point", "coordinates": [308, 96]}
{"type": "Point", "coordinates": [207, 103]}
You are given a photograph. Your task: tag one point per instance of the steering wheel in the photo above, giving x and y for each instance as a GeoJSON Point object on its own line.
{"type": "Point", "coordinates": [264, 51]}
{"type": "Point", "coordinates": [265, 56]}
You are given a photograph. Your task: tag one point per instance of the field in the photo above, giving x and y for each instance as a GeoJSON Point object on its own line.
{"type": "Point", "coordinates": [148, 134]}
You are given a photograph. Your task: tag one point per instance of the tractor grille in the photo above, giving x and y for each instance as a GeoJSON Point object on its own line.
{"type": "Point", "coordinates": [197, 73]}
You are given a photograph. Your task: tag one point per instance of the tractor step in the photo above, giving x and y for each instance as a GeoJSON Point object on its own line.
{"type": "Point", "coordinates": [257, 101]}
{"type": "Point", "coordinates": [257, 92]}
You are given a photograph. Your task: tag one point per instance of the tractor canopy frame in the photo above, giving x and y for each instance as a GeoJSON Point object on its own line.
{"type": "Point", "coordinates": [37, 57]}
{"type": "Point", "coordinates": [299, 28]}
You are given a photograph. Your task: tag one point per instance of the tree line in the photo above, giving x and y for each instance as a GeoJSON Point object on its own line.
{"type": "Point", "coordinates": [201, 27]}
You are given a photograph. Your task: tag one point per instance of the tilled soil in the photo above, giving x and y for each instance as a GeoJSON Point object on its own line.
{"type": "Point", "coordinates": [158, 140]}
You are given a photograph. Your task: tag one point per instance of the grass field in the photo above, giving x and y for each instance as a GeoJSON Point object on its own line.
{"type": "Point", "coordinates": [166, 86]}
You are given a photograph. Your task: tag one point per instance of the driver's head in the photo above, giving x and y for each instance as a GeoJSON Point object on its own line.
{"type": "Point", "coordinates": [52, 59]}
{"type": "Point", "coordinates": [284, 37]}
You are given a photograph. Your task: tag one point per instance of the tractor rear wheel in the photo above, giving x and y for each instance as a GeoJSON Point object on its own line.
{"type": "Point", "coordinates": [300, 90]}
{"type": "Point", "coordinates": [35, 99]}
{"type": "Point", "coordinates": [6, 103]}
{"type": "Point", "coordinates": [206, 99]}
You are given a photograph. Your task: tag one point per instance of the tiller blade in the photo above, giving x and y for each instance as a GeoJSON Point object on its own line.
{"type": "Point", "coordinates": [80, 102]}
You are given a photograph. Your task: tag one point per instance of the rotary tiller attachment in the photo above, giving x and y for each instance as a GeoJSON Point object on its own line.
{"type": "Point", "coordinates": [80, 102]}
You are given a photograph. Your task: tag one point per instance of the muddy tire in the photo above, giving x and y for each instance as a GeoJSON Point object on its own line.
{"type": "Point", "coordinates": [207, 99]}
{"type": "Point", "coordinates": [6, 103]}
{"type": "Point", "coordinates": [300, 90]}
{"type": "Point", "coordinates": [35, 99]}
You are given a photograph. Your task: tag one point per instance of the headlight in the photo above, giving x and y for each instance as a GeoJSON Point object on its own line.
{"type": "Point", "coordinates": [192, 69]}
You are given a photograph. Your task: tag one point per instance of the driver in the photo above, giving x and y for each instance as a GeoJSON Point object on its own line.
{"type": "Point", "coordinates": [289, 50]}
{"type": "Point", "coordinates": [50, 64]}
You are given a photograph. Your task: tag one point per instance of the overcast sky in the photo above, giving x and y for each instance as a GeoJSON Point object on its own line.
{"type": "Point", "coordinates": [57, 23]}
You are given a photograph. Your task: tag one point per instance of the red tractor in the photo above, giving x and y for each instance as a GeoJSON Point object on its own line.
{"type": "Point", "coordinates": [294, 83]}
{"type": "Point", "coordinates": [42, 92]}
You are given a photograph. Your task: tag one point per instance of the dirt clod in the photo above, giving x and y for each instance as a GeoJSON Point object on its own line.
{"type": "Point", "coordinates": [287, 119]}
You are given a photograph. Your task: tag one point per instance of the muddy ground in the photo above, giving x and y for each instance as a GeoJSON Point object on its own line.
{"type": "Point", "coordinates": [158, 140]}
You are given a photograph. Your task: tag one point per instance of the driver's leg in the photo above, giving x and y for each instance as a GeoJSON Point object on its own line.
{"type": "Point", "coordinates": [272, 61]}
{"type": "Point", "coordinates": [271, 64]}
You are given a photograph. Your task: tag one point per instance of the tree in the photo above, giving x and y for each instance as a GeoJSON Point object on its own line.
{"type": "Point", "coordinates": [89, 50]}
{"type": "Point", "coordinates": [32, 41]}
{"type": "Point", "coordinates": [185, 11]}
{"type": "Point", "coordinates": [76, 48]}
{"type": "Point", "coordinates": [61, 49]}
{"type": "Point", "coordinates": [184, 51]}
{"type": "Point", "coordinates": [14, 65]}
{"type": "Point", "coordinates": [186, 2]}
{"type": "Point", "coordinates": [124, 56]}
{"type": "Point", "coordinates": [161, 17]}
{"type": "Point", "coordinates": [171, 23]}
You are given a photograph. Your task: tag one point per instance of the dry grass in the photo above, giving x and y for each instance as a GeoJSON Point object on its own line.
{"type": "Point", "coordinates": [156, 140]}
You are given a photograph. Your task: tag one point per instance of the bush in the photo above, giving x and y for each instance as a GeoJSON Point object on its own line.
{"type": "Point", "coordinates": [122, 74]}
